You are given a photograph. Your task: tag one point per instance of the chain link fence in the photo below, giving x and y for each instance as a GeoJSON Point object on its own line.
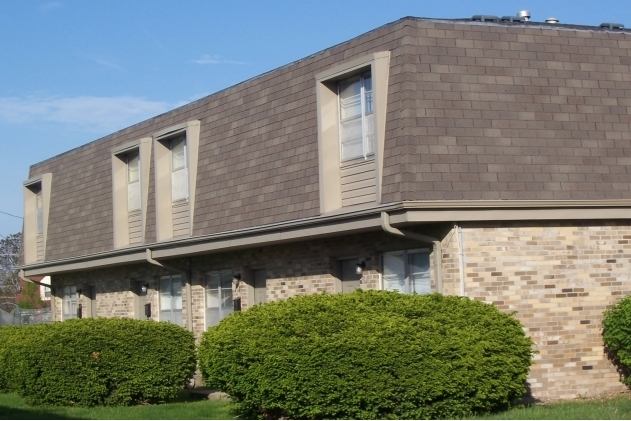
{"type": "Point", "coordinates": [21, 316]}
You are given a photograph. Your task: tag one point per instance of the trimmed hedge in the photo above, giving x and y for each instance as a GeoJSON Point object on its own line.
{"type": "Point", "coordinates": [617, 335]}
{"type": "Point", "coordinates": [367, 355]}
{"type": "Point", "coordinates": [88, 362]}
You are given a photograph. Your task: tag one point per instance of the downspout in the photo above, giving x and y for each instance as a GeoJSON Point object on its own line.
{"type": "Point", "coordinates": [426, 239]}
{"type": "Point", "coordinates": [461, 259]}
{"type": "Point", "coordinates": [189, 307]}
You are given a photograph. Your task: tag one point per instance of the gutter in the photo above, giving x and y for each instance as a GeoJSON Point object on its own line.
{"type": "Point", "coordinates": [344, 221]}
{"type": "Point", "coordinates": [425, 239]}
{"type": "Point", "coordinates": [26, 279]}
{"type": "Point", "coordinates": [187, 277]}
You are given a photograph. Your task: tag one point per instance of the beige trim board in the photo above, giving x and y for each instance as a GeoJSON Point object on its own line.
{"type": "Point", "coordinates": [469, 215]}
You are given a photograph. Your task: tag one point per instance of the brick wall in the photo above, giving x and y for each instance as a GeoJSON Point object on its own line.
{"type": "Point", "coordinates": [559, 278]}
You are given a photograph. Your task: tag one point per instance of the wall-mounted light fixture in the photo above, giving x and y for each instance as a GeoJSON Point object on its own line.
{"type": "Point", "coordinates": [144, 288]}
{"type": "Point", "coordinates": [359, 267]}
{"type": "Point", "coordinates": [236, 278]}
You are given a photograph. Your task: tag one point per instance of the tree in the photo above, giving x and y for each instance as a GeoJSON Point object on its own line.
{"type": "Point", "coordinates": [9, 260]}
{"type": "Point", "coordinates": [30, 297]}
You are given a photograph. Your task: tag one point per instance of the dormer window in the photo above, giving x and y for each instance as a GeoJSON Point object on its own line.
{"type": "Point", "coordinates": [356, 117]}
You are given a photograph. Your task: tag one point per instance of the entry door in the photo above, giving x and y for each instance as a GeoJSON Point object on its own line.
{"type": "Point", "coordinates": [260, 286]}
{"type": "Point", "coordinates": [350, 278]}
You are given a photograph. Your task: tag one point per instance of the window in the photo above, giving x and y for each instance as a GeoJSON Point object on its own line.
{"type": "Point", "coordinates": [171, 299]}
{"type": "Point", "coordinates": [351, 102]}
{"type": "Point", "coordinates": [179, 169]}
{"type": "Point", "coordinates": [36, 209]}
{"type": "Point", "coordinates": [356, 117]}
{"type": "Point", "coordinates": [218, 296]}
{"type": "Point", "coordinates": [130, 185]}
{"type": "Point", "coordinates": [407, 271]}
{"type": "Point", "coordinates": [176, 156]}
{"type": "Point", "coordinates": [133, 181]}
{"type": "Point", "coordinates": [69, 303]}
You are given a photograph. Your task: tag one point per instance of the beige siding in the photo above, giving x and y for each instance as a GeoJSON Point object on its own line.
{"type": "Point", "coordinates": [181, 218]}
{"type": "Point", "coordinates": [135, 227]}
{"type": "Point", "coordinates": [359, 183]}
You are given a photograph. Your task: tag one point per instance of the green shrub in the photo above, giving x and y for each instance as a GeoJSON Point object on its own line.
{"type": "Point", "coordinates": [367, 355]}
{"type": "Point", "coordinates": [617, 335]}
{"type": "Point", "coordinates": [88, 362]}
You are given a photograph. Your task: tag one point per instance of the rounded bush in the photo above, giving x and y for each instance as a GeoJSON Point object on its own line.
{"type": "Point", "coordinates": [88, 362]}
{"type": "Point", "coordinates": [367, 355]}
{"type": "Point", "coordinates": [617, 335]}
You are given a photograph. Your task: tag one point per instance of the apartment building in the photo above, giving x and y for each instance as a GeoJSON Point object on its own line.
{"type": "Point", "coordinates": [483, 158]}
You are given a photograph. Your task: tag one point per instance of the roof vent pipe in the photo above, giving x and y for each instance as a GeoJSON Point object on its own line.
{"type": "Point", "coordinates": [552, 20]}
{"type": "Point", "coordinates": [524, 14]}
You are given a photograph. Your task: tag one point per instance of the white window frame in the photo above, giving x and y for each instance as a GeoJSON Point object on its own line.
{"type": "Point", "coordinates": [368, 146]}
{"type": "Point", "coordinates": [220, 297]}
{"type": "Point", "coordinates": [406, 253]}
{"type": "Point", "coordinates": [67, 300]}
{"type": "Point", "coordinates": [172, 297]}
{"type": "Point", "coordinates": [183, 168]}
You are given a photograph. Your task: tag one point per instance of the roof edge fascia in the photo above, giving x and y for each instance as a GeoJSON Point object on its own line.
{"type": "Point", "coordinates": [343, 223]}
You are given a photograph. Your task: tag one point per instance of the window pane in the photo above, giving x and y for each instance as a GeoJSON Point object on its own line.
{"type": "Point", "coordinates": [178, 153]}
{"type": "Point", "coordinates": [419, 273]}
{"type": "Point", "coordinates": [226, 280]}
{"type": "Point", "coordinates": [70, 301]}
{"type": "Point", "coordinates": [370, 130]}
{"type": "Point", "coordinates": [177, 293]}
{"type": "Point", "coordinates": [394, 271]}
{"type": "Point", "coordinates": [133, 165]}
{"type": "Point", "coordinates": [165, 294]}
{"type": "Point", "coordinates": [350, 98]}
{"type": "Point", "coordinates": [226, 300]}
{"type": "Point", "coordinates": [212, 298]}
{"type": "Point", "coordinates": [351, 139]}
{"type": "Point", "coordinates": [368, 94]}
{"type": "Point", "coordinates": [40, 213]}
{"type": "Point", "coordinates": [133, 196]}
{"type": "Point", "coordinates": [179, 184]}
{"type": "Point", "coordinates": [212, 280]}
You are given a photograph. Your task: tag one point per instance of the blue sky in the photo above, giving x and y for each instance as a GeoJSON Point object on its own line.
{"type": "Point", "coordinates": [72, 71]}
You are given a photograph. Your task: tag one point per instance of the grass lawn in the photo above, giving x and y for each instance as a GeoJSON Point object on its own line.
{"type": "Point", "coordinates": [12, 407]}
{"type": "Point", "coordinates": [618, 408]}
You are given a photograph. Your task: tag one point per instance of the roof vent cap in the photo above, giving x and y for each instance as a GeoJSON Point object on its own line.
{"type": "Point", "coordinates": [524, 14]}
{"type": "Point", "coordinates": [552, 20]}
{"type": "Point", "coordinates": [513, 19]}
{"type": "Point", "coordinates": [485, 18]}
{"type": "Point", "coordinates": [609, 25]}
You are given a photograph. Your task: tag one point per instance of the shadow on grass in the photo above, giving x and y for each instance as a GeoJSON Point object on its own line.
{"type": "Point", "coordinates": [8, 413]}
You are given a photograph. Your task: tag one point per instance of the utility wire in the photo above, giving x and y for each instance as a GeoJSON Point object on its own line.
{"type": "Point", "coordinates": [15, 216]}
